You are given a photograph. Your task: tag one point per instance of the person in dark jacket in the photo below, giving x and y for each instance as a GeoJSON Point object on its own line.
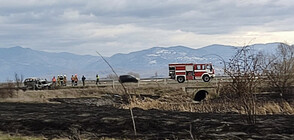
{"type": "Point", "coordinates": [72, 80]}
{"type": "Point", "coordinates": [83, 80]}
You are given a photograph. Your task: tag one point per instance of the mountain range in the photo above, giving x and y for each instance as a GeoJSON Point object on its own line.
{"type": "Point", "coordinates": [33, 63]}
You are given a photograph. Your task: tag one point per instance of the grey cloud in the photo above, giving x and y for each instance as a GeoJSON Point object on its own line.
{"type": "Point", "coordinates": [57, 25]}
{"type": "Point", "coordinates": [159, 14]}
{"type": "Point", "coordinates": [211, 17]}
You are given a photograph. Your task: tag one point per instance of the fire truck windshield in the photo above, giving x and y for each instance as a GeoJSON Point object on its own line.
{"type": "Point", "coordinates": [209, 67]}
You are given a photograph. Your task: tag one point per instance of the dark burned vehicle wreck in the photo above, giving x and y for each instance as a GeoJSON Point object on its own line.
{"type": "Point", "coordinates": [37, 83]}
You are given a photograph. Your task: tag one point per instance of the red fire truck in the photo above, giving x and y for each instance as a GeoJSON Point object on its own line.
{"type": "Point", "coordinates": [190, 71]}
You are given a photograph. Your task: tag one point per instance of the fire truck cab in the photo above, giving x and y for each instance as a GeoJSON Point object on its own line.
{"type": "Point", "coordinates": [191, 71]}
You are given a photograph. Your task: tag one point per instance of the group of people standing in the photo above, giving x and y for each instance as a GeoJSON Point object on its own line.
{"type": "Point", "coordinates": [74, 80]}
{"type": "Point", "coordinates": [61, 80]}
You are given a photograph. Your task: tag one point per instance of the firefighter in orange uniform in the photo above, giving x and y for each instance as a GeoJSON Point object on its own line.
{"type": "Point", "coordinates": [76, 79]}
{"type": "Point", "coordinates": [64, 80]}
{"type": "Point", "coordinates": [54, 81]}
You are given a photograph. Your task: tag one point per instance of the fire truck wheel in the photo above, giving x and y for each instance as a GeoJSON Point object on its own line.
{"type": "Point", "coordinates": [181, 79]}
{"type": "Point", "coordinates": [206, 78]}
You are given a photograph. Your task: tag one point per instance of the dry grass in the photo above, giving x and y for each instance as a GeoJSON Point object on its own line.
{"type": "Point", "coordinates": [172, 98]}
{"type": "Point", "coordinates": [18, 137]}
{"type": "Point", "coordinates": [42, 96]}
{"type": "Point", "coordinates": [282, 107]}
{"type": "Point", "coordinates": [7, 90]}
{"type": "Point", "coordinates": [220, 105]}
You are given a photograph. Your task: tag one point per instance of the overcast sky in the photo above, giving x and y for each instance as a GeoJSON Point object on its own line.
{"type": "Point", "coordinates": [122, 26]}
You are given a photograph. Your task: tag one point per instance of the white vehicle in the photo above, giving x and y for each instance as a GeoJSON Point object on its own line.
{"type": "Point", "coordinates": [37, 83]}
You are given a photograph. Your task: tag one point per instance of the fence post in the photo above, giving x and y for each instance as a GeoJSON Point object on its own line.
{"type": "Point", "coordinates": [112, 83]}
{"type": "Point", "coordinates": [165, 81]}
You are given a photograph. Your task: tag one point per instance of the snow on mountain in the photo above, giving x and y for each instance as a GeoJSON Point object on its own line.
{"type": "Point", "coordinates": [269, 48]}
{"type": "Point", "coordinates": [32, 63]}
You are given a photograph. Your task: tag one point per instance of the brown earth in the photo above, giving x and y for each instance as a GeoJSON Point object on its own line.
{"type": "Point", "coordinates": [101, 117]}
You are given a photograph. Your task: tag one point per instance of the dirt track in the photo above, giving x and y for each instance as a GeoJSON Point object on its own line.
{"type": "Point", "coordinates": [95, 118]}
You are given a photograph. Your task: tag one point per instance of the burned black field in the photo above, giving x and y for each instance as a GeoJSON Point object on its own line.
{"type": "Point", "coordinates": [102, 117]}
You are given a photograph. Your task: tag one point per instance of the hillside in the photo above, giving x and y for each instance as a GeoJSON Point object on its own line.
{"type": "Point", "coordinates": [33, 63]}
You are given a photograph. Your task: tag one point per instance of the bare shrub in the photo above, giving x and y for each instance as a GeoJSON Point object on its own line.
{"type": "Point", "coordinates": [18, 80]}
{"type": "Point", "coordinates": [279, 69]}
{"type": "Point", "coordinates": [245, 73]}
